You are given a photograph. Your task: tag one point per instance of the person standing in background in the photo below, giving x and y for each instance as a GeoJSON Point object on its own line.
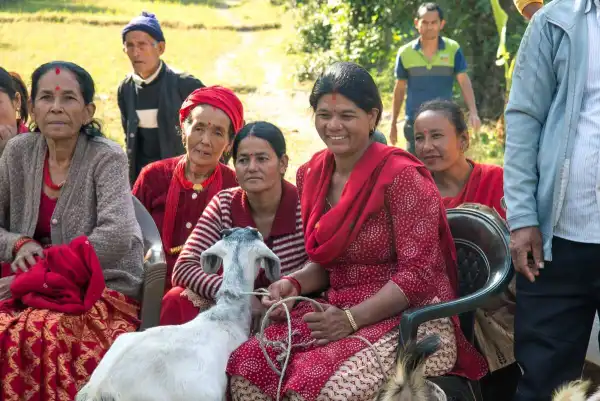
{"type": "Point", "coordinates": [425, 70]}
{"type": "Point", "coordinates": [551, 188]}
{"type": "Point", "coordinates": [150, 97]}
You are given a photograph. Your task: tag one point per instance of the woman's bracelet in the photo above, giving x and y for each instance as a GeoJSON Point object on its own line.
{"type": "Point", "coordinates": [351, 320]}
{"type": "Point", "coordinates": [19, 244]}
{"type": "Point", "coordinates": [294, 282]}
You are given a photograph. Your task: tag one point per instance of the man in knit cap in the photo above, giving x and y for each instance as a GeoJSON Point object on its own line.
{"type": "Point", "coordinates": [150, 97]}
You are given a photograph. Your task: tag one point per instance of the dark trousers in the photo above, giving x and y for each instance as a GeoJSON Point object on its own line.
{"type": "Point", "coordinates": [554, 318]}
{"type": "Point", "coordinates": [409, 135]}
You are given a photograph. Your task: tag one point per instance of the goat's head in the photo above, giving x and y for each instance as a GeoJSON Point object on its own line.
{"type": "Point", "coordinates": [408, 381]}
{"type": "Point", "coordinates": [242, 249]}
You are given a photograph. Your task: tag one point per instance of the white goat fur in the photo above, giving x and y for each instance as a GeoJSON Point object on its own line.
{"type": "Point", "coordinates": [575, 391]}
{"type": "Point", "coordinates": [408, 381]}
{"type": "Point", "coordinates": [188, 362]}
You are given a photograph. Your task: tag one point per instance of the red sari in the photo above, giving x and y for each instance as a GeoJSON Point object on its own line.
{"type": "Point", "coordinates": [485, 186]}
{"type": "Point", "coordinates": [174, 204]}
{"type": "Point", "coordinates": [58, 325]}
{"type": "Point", "coordinates": [388, 225]}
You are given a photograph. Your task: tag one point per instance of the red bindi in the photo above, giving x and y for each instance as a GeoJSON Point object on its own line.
{"type": "Point", "coordinates": [57, 88]}
{"type": "Point", "coordinates": [57, 70]}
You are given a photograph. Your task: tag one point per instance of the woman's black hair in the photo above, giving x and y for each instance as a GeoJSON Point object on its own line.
{"type": "Point", "coordinates": [262, 130]}
{"type": "Point", "coordinates": [86, 85]}
{"type": "Point", "coordinates": [451, 111]}
{"type": "Point", "coordinates": [9, 86]}
{"type": "Point", "coordinates": [429, 6]}
{"type": "Point", "coordinates": [22, 89]}
{"type": "Point", "coordinates": [352, 81]}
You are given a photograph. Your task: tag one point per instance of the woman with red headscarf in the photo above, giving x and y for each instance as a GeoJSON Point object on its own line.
{"type": "Point", "coordinates": [378, 242]}
{"type": "Point", "coordinates": [175, 191]}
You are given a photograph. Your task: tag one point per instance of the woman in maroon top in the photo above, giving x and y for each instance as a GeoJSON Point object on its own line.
{"type": "Point", "coordinates": [264, 200]}
{"type": "Point", "coordinates": [175, 191]}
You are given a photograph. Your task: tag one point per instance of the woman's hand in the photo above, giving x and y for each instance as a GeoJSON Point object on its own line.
{"type": "Point", "coordinates": [258, 313]}
{"type": "Point", "coordinates": [5, 287]}
{"type": "Point", "coordinates": [25, 258]}
{"type": "Point", "coordinates": [330, 325]}
{"type": "Point", "coordinates": [277, 291]}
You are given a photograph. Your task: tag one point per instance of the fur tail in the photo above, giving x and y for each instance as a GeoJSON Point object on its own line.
{"type": "Point", "coordinates": [408, 379]}
{"type": "Point", "coordinates": [574, 391]}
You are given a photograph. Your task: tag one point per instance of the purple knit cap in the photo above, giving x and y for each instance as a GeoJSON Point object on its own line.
{"type": "Point", "coordinates": [146, 22]}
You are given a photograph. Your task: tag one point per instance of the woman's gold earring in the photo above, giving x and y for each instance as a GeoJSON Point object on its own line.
{"type": "Point", "coordinates": [18, 115]}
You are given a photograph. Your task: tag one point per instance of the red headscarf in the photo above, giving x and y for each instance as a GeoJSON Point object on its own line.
{"type": "Point", "coordinates": [219, 97]}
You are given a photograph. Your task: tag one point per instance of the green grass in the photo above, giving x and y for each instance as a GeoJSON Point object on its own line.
{"type": "Point", "coordinates": [229, 51]}
{"type": "Point", "coordinates": [173, 13]}
{"type": "Point", "coordinates": [98, 50]}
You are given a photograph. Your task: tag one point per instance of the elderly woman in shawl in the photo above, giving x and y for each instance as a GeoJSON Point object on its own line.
{"type": "Point", "coordinates": [69, 240]}
{"type": "Point", "coordinates": [378, 242]}
{"type": "Point", "coordinates": [175, 191]}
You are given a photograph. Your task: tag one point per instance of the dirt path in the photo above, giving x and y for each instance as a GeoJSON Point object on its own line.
{"type": "Point", "coordinates": [266, 98]}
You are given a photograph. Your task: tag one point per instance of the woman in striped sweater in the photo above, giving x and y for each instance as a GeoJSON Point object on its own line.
{"type": "Point", "coordinates": [264, 200]}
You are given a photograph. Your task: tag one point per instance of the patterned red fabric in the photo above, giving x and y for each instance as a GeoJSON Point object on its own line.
{"type": "Point", "coordinates": [47, 355]}
{"type": "Point", "coordinates": [328, 234]}
{"type": "Point", "coordinates": [68, 279]}
{"type": "Point", "coordinates": [152, 187]}
{"type": "Point", "coordinates": [485, 186]}
{"type": "Point", "coordinates": [400, 242]}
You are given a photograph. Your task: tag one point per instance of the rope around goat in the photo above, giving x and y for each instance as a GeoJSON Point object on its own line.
{"type": "Point", "coordinates": [287, 348]}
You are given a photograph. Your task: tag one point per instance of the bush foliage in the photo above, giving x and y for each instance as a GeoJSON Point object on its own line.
{"type": "Point", "coordinates": [370, 32]}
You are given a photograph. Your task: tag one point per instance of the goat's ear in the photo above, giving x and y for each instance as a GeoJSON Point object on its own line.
{"type": "Point", "coordinates": [270, 262]}
{"type": "Point", "coordinates": [212, 258]}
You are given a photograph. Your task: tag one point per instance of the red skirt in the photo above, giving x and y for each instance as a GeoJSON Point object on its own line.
{"type": "Point", "coordinates": [49, 356]}
{"type": "Point", "coordinates": [176, 308]}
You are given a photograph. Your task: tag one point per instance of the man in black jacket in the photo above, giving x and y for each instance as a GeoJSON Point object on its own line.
{"type": "Point", "coordinates": [150, 97]}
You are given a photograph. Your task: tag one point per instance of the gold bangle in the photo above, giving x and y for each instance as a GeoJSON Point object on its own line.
{"type": "Point", "coordinates": [351, 319]}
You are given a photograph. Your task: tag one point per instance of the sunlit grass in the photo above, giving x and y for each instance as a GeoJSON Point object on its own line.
{"type": "Point", "coordinates": [25, 46]}
{"type": "Point", "coordinates": [171, 13]}
{"type": "Point", "coordinates": [255, 63]}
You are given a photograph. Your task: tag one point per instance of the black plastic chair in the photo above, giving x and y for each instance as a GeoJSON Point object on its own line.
{"type": "Point", "coordinates": [155, 268]}
{"type": "Point", "coordinates": [484, 270]}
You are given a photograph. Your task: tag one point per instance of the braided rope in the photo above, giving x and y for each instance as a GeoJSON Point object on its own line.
{"type": "Point", "coordinates": [287, 347]}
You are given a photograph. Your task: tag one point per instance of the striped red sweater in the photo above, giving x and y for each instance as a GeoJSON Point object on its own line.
{"type": "Point", "coordinates": [228, 209]}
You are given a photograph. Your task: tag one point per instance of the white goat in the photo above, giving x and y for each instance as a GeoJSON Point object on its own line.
{"type": "Point", "coordinates": [188, 362]}
{"type": "Point", "coordinates": [408, 382]}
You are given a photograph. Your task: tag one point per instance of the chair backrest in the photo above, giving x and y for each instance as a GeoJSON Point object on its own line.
{"type": "Point", "coordinates": [155, 267]}
{"type": "Point", "coordinates": [149, 230]}
{"type": "Point", "coordinates": [482, 249]}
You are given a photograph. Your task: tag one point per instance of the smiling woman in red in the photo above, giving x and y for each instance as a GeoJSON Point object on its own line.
{"type": "Point", "coordinates": [441, 140]}
{"type": "Point", "coordinates": [378, 243]}
{"type": "Point", "coordinates": [175, 191]}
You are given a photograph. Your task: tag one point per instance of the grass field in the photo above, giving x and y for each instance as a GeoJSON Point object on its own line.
{"type": "Point", "coordinates": [241, 44]}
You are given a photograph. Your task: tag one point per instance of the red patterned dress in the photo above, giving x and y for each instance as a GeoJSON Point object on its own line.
{"type": "Point", "coordinates": [392, 225]}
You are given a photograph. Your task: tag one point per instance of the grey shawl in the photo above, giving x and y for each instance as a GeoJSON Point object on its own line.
{"type": "Point", "coordinates": [95, 201]}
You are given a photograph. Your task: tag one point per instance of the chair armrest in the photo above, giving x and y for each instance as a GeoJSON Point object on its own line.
{"type": "Point", "coordinates": [412, 318]}
{"type": "Point", "coordinates": [155, 272]}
